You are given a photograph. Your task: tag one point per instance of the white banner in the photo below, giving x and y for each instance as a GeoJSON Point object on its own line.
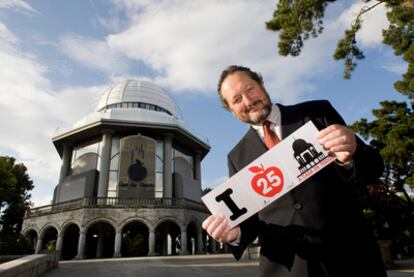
{"type": "Point", "coordinates": [269, 177]}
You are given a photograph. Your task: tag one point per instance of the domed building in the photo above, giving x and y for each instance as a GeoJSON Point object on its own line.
{"type": "Point", "coordinates": [130, 181]}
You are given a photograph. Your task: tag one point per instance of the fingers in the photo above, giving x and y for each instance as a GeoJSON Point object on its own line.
{"type": "Point", "coordinates": [217, 227]}
{"type": "Point", "coordinates": [339, 140]}
{"type": "Point", "coordinates": [337, 144]}
{"type": "Point", "coordinates": [327, 130]}
{"type": "Point", "coordinates": [208, 221]}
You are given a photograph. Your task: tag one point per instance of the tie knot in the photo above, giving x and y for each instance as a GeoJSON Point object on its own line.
{"type": "Point", "coordinates": [266, 123]}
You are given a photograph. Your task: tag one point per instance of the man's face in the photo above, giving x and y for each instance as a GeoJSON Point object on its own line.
{"type": "Point", "coordinates": [246, 98]}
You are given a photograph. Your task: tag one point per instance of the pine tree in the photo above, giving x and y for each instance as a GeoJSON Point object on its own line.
{"type": "Point", "coordinates": [389, 207]}
{"type": "Point", "coordinates": [298, 20]}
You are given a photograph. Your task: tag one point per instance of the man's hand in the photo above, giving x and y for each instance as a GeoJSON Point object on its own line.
{"type": "Point", "coordinates": [340, 140]}
{"type": "Point", "coordinates": [218, 228]}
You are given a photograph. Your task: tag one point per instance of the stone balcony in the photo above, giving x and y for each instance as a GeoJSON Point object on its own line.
{"type": "Point", "coordinates": [114, 202]}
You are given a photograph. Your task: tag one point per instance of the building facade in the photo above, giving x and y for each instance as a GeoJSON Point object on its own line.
{"type": "Point", "coordinates": [130, 182]}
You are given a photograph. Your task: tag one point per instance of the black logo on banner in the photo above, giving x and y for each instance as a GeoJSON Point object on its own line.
{"type": "Point", "coordinates": [306, 155]}
{"type": "Point", "coordinates": [225, 197]}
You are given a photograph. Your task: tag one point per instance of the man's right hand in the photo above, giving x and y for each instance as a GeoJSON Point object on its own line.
{"type": "Point", "coordinates": [218, 228]}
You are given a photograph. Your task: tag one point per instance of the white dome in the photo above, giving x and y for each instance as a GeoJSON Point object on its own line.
{"type": "Point", "coordinates": [137, 94]}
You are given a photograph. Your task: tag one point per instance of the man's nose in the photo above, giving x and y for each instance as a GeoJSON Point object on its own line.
{"type": "Point", "coordinates": [247, 100]}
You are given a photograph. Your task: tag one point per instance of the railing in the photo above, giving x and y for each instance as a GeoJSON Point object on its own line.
{"type": "Point", "coordinates": [113, 202]}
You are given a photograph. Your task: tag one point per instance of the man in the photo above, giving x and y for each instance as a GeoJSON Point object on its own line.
{"type": "Point", "coordinates": [317, 229]}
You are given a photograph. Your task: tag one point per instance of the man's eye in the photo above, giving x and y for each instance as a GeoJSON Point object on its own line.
{"type": "Point", "coordinates": [236, 100]}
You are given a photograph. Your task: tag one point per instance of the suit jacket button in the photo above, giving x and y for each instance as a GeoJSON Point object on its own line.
{"type": "Point", "coordinates": [298, 206]}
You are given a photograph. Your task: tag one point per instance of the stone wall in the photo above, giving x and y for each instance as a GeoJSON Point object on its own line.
{"type": "Point", "coordinates": [29, 266]}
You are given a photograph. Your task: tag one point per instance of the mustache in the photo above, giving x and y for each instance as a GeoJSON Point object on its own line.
{"type": "Point", "coordinates": [254, 104]}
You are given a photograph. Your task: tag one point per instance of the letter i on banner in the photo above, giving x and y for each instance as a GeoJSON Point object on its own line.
{"type": "Point", "coordinates": [231, 200]}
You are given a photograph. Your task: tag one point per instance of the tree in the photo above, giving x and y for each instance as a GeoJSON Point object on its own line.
{"type": "Point", "coordinates": [205, 191]}
{"type": "Point", "coordinates": [392, 132]}
{"type": "Point", "coordinates": [298, 20]}
{"type": "Point", "coordinates": [389, 206]}
{"type": "Point", "coordinates": [15, 185]}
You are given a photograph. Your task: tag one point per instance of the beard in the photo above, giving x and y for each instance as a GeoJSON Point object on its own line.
{"type": "Point", "coordinates": [259, 116]}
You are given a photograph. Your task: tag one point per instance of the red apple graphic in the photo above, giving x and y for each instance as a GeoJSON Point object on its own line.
{"type": "Point", "coordinates": [267, 182]}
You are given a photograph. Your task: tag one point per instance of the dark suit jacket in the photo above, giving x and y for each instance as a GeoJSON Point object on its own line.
{"type": "Point", "coordinates": [321, 220]}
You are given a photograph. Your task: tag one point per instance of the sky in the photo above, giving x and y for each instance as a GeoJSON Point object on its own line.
{"type": "Point", "coordinates": [57, 57]}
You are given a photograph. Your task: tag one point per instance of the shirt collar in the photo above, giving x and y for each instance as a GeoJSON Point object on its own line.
{"type": "Point", "coordinates": [273, 117]}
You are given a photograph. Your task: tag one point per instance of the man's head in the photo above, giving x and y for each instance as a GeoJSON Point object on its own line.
{"type": "Point", "coordinates": [241, 92]}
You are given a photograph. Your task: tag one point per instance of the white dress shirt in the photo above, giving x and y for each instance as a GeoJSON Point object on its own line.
{"type": "Point", "coordinates": [275, 123]}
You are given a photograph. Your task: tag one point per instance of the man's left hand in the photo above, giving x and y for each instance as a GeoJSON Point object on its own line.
{"type": "Point", "coordinates": [340, 140]}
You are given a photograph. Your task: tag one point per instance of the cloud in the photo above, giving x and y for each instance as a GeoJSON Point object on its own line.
{"type": "Point", "coordinates": [17, 5]}
{"type": "Point", "coordinates": [6, 37]}
{"type": "Point", "coordinates": [393, 63]}
{"type": "Point", "coordinates": [188, 43]}
{"type": "Point", "coordinates": [30, 112]}
{"type": "Point", "coordinates": [94, 54]}
{"type": "Point", "coordinates": [373, 22]}
{"type": "Point", "coordinates": [398, 68]}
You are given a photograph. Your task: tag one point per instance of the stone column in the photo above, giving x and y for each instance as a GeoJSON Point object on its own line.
{"type": "Point", "coordinates": [197, 166]}
{"type": "Point", "coordinates": [59, 244]}
{"type": "Point", "coordinates": [118, 243]}
{"type": "Point", "coordinates": [39, 244]}
{"type": "Point", "coordinates": [105, 162]}
{"type": "Point", "coordinates": [184, 243]}
{"type": "Point", "coordinates": [81, 245]}
{"type": "Point", "coordinates": [199, 246]}
{"type": "Point", "coordinates": [66, 157]}
{"type": "Point", "coordinates": [167, 166]}
{"type": "Point", "coordinates": [151, 242]}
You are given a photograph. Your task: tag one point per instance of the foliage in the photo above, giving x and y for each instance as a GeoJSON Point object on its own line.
{"type": "Point", "coordinates": [389, 206]}
{"type": "Point", "coordinates": [51, 245]}
{"type": "Point", "coordinates": [393, 134]}
{"type": "Point", "coordinates": [134, 245]}
{"type": "Point", "coordinates": [15, 184]}
{"type": "Point", "coordinates": [297, 20]}
{"type": "Point", "coordinates": [205, 191]}
{"type": "Point", "coordinates": [15, 244]}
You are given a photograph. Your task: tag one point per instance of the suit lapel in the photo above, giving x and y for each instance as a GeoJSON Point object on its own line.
{"type": "Point", "coordinates": [291, 120]}
{"type": "Point", "coordinates": [256, 147]}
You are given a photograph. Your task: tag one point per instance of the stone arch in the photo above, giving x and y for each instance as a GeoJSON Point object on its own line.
{"type": "Point", "coordinates": [135, 238]}
{"type": "Point", "coordinates": [194, 220]}
{"type": "Point", "coordinates": [167, 236]}
{"type": "Point", "coordinates": [192, 237]}
{"type": "Point", "coordinates": [47, 226]}
{"type": "Point", "coordinates": [100, 238]}
{"type": "Point", "coordinates": [32, 235]}
{"type": "Point", "coordinates": [70, 233]}
{"type": "Point", "coordinates": [48, 237]}
{"type": "Point", "coordinates": [100, 219]}
{"type": "Point", "coordinates": [67, 223]}
{"type": "Point", "coordinates": [132, 219]}
{"type": "Point", "coordinates": [29, 229]}
{"type": "Point", "coordinates": [196, 240]}
{"type": "Point", "coordinates": [167, 218]}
